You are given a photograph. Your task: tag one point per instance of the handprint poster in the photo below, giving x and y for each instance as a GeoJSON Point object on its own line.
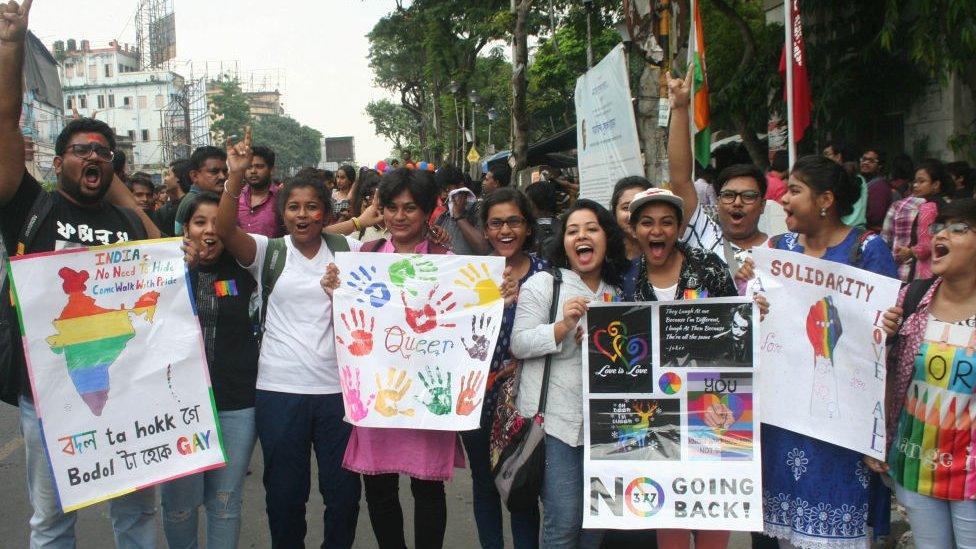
{"type": "Point", "coordinates": [414, 337]}
{"type": "Point", "coordinates": [823, 348]}
{"type": "Point", "coordinates": [671, 415]}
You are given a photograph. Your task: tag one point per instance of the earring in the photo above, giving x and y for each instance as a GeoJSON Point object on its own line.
{"type": "Point", "coordinates": [823, 212]}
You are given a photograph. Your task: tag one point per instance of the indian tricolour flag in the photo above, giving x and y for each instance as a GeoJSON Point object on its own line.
{"type": "Point", "coordinates": [700, 132]}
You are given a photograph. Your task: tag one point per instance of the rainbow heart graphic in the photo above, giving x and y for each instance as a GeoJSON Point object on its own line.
{"type": "Point", "coordinates": [720, 412]}
{"type": "Point", "coordinates": [620, 345]}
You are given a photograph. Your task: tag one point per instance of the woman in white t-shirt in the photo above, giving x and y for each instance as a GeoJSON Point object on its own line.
{"type": "Point", "coordinates": [298, 404]}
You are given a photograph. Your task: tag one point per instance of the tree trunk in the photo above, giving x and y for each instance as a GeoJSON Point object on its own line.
{"type": "Point", "coordinates": [757, 152]}
{"type": "Point", "coordinates": [520, 63]}
{"type": "Point", "coordinates": [653, 138]}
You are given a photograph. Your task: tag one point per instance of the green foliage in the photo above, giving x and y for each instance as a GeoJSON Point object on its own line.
{"type": "Point", "coordinates": [295, 145]}
{"type": "Point", "coordinates": [394, 122]}
{"type": "Point", "coordinates": [231, 113]}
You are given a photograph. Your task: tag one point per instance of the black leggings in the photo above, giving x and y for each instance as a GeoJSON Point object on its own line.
{"type": "Point", "coordinates": [386, 516]}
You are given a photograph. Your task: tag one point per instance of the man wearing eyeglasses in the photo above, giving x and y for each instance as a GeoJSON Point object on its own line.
{"type": "Point", "coordinates": [88, 207]}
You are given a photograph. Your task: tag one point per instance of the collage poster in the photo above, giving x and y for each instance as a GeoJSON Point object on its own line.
{"type": "Point", "coordinates": [671, 417]}
{"type": "Point", "coordinates": [825, 348]}
{"type": "Point", "coordinates": [415, 336]}
{"type": "Point", "coordinates": [117, 368]}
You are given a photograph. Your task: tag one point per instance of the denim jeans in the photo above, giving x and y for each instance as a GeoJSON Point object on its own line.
{"type": "Point", "coordinates": [133, 515]}
{"type": "Point", "coordinates": [289, 426]}
{"type": "Point", "coordinates": [938, 522]}
{"type": "Point", "coordinates": [562, 499]}
{"type": "Point", "coordinates": [219, 490]}
{"type": "Point", "coordinates": [487, 503]}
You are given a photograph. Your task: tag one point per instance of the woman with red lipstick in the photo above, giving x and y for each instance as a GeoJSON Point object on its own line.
{"type": "Point", "coordinates": [406, 198]}
{"type": "Point", "coordinates": [592, 262]}
{"type": "Point", "coordinates": [817, 494]}
{"type": "Point", "coordinates": [931, 363]}
{"type": "Point", "coordinates": [298, 402]}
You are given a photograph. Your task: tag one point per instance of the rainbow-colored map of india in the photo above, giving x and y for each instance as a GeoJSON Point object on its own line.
{"type": "Point", "coordinates": [92, 337]}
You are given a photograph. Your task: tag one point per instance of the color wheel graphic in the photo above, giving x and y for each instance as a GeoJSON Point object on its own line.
{"type": "Point", "coordinates": [670, 383]}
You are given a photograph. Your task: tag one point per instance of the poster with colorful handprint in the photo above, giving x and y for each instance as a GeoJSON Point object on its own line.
{"type": "Point", "coordinates": [825, 348]}
{"type": "Point", "coordinates": [414, 337]}
{"type": "Point", "coordinates": [671, 415]}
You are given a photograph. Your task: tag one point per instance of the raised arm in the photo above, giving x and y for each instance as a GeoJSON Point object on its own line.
{"type": "Point", "coordinates": [679, 144]}
{"type": "Point", "coordinates": [240, 244]}
{"type": "Point", "coordinates": [13, 31]}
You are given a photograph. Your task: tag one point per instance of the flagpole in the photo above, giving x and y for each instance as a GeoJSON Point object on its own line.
{"type": "Point", "coordinates": [692, 41]}
{"type": "Point", "coordinates": [788, 18]}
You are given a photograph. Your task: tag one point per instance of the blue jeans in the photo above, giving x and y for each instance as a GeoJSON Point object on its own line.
{"type": "Point", "coordinates": [487, 504]}
{"type": "Point", "coordinates": [219, 490]}
{"type": "Point", "coordinates": [133, 515]}
{"type": "Point", "coordinates": [938, 522]}
{"type": "Point", "coordinates": [289, 426]}
{"type": "Point", "coordinates": [562, 499]}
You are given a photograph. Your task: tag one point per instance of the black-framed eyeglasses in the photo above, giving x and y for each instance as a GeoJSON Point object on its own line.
{"type": "Point", "coordinates": [748, 197]}
{"type": "Point", "coordinates": [514, 222]}
{"type": "Point", "coordinates": [870, 160]}
{"type": "Point", "coordinates": [85, 150]}
{"type": "Point", "coordinates": [958, 228]}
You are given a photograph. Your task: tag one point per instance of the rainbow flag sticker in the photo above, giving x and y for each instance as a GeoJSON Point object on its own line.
{"type": "Point", "coordinates": [694, 293]}
{"type": "Point", "coordinates": [225, 288]}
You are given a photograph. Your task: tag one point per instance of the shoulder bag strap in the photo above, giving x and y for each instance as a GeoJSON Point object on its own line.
{"type": "Point", "coordinates": [274, 264]}
{"type": "Point", "coordinates": [557, 282]}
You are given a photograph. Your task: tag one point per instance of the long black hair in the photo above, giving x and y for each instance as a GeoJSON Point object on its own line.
{"type": "Point", "coordinates": [823, 174]}
{"type": "Point", "coordinates": [615, 263]}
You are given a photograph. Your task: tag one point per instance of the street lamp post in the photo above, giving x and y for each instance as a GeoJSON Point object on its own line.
{"type": "Point", "coordinates": [455, 87]}
{"type": "Point", "coordinates": [475, 98]}
{"type": "Point", "coordinates": [492, 116]}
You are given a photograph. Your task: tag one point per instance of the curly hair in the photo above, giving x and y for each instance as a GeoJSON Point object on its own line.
{"type": "Point", "coordinates": [615, 262]}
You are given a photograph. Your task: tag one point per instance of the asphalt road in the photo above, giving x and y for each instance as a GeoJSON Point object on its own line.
{"type": "Point", "coordinates": [94, 529]}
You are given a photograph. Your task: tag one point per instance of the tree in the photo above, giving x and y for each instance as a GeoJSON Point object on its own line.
{"type": "Point", "coordinates": [394, 122]}
{"type": "Point", "coordinates": [295, 145]}
{"type": "Point", "coordinates": [231, 113]}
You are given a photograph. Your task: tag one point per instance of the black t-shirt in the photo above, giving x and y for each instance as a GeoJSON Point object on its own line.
{"type": "Point", "coordinates": [223, 293]}
{"type": "Point", "coordinates": [68, 225]}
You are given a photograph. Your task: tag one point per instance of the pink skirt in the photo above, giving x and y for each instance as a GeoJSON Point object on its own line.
{"type": "Point", "coordinates": [427, 455]}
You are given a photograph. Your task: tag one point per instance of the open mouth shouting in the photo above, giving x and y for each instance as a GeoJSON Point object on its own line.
{"type": "Point", "coordinates": [659, 250]}
{"type": "Point", "coordinates": [584, 254]}
{"type": "Point", "coordinates": [939, 251]}
{"type": "Point", "coordinates": [91, 177]}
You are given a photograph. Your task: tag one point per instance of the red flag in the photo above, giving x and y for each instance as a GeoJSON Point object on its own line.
{"type": "Point", "coordinates": [802, 103]}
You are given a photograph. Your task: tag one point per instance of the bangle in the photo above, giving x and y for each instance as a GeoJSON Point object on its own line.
{"type": "Point", "coordinates": [355, 223]}
{"type": "Point", "coordinates": [234, 196]}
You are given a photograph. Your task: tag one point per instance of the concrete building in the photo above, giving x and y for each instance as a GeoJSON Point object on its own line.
{"type": "Point", "coordinates": [264, 103]}
{"type": "Point", "coordinates": [42, 115]}
{"type": "Point", "coordinates": [106, 83]}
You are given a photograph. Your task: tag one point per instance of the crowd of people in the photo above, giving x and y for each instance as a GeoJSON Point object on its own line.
{"type": "Point", "coordinates": [280, 384]}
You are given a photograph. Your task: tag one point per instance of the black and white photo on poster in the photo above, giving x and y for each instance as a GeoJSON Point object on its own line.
{"type": "Point", "coordinates": [712, 335]}
{"type": "Point", "coordinates": [618, 347]}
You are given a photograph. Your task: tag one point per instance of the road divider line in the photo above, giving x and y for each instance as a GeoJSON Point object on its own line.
{"type": "Point", "coordinates": [10, 447]}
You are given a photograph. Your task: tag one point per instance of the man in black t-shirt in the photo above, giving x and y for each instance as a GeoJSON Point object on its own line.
{"type": "Point", "coordinates": [87, 208]}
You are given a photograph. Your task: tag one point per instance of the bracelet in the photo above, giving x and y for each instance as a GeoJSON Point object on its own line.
{"type": "Point", "coordinates": [355, 223]}
{"type": "Point", "coordinates": [235, 196]}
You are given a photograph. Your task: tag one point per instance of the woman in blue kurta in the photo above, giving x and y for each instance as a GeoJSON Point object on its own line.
{"type": "Point", "coordinates": [816, 494]}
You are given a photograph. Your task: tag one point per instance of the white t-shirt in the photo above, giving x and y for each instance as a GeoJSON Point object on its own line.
{"type": "Point", "coordinates": [666, 294]}
{"type": "Point", "coordinates": [298, 350]}
{"type": "Point", "coordinates": [703, 233]}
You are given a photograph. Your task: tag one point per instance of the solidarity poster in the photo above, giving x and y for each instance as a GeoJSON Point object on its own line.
{"type": "Point", "coordinates": [117, 368]}
{"type": "Point", "coordinates": [414, 337]}
{"type": "Point", "coordinates": [606, 130]}
{"type": "Point", "coordinates": [671, 416]}
{"type": "Point", "coordinates": [823, 348]}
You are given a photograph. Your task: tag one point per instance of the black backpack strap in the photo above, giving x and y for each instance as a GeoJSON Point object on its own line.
{"type": "Point", "coordinates": [913, 297]}
{"type": "Point", "coordinates": [557, 282]}
{"type": "Point", "coordinates": [271, 269]}
{"type": "Point", "coordinates": [40, 209]}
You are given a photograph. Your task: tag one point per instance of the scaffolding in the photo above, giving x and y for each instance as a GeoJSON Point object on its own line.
{"type": "Point", "coordinates": [155, 34]}
{"type": "Point", "coordinates": [186, 120]}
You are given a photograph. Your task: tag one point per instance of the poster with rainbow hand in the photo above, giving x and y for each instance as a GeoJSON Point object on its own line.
{"type": "Point", "coordinates": [415, 336]}
{"type": "Point", "coordinates": [117, 368]}
{"type": "Point", "coordinates": [823, 349]}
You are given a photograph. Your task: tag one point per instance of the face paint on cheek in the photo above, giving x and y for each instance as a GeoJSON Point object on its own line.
{"type": "Point", "coordinates": [317, 217]}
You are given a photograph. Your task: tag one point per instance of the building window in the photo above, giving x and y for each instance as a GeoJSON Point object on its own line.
{"type": "Point", "coordinates": [108, 71]}
{"type": "Point", "coordinates": [101, 101]}
{"type": "Point", "coordinates": [132, 135]}
{"type": "Point", "coordinates": [127, 102]}
{"type": "Point", "coordinates": [84, 101]}
{"type": "Point", "coordinates": [68, 104]}
{"type": "Point", "coordinates": [111, 100]}
{"type": "Point", "coordinates": [69, 71]}
{"type": "Point", "coordinates": [121, 68]}
{"type": "Point", "coordinates": [160, 101]}
{"type": "Point", "coordinates": [93, 72]}
{"type": "Point", "coordinates": [142, 102]}
{"type": "Point", "coordinates": [145, 135]}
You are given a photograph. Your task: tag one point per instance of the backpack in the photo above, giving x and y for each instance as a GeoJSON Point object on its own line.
{"type": "Point", "coordinates": [856, 251]}
{"type": "Point", "coordinates": [916, 291]}
{"type": "Point", "coordinates": [11, 376]}
{"type": "Point", "coordinates": [274, 265]}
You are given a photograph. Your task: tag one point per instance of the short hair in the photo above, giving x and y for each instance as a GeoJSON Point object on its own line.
{"type": "Point", "coordinates": [876, 150]}
{"type": "Point", "coordinates": [140, 178]}
{"type": "Point", "coordinates": [902, 167]}
{"type": "Point", "coordinates": [202, 154]}
{"type": "Point", "coordinates": [502, 174]}
{"type": "Point", "coordinates": [543, 195]}
{"type": "Point", "coordinates": [83, 125]}
{"type": "Point", "coordinates": [181, 169]}
{"type": "Point", "coordinates": [961, 209]}
{"type": "Point", "coordinates": [823, 174]}
{"type": "Point", "coordinates": [742, 170]}
{"type": "Point", "coordinates": [266, 154]}
{"type": "Point", "coordinates": [937, 172]}
{"type": "Point", "coordinates": [781, 161]}
{"type": "Point", "coordinates": [505, 195]}
{"type": "Point", "coordinates": [118, 164]}
{"type": "Point", "coordinates": [842, 147]}
{"type": "Point", "coordinates": [615, 263]}
{"type": "Point", "coordinates": [195, 202]}
{"type": "Point", "coordinates": [447, 176]}
{"type": "Point", "coordinates": [625, 184]}
{"type": "Point", "coordinates": [420, 184]}
{"type": "Point", "coordinates": [958, 169]}
{"type": "Point", "coordinates": [302, 182]}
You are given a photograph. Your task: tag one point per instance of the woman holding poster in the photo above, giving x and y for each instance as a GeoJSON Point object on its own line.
{"type": "Point", "coordinates": [592, 263]}
{"type": "Point", "coordinates": [930, 400]}
{"type": "Point", "coordinates": [406, 199]}
{"type": "Point", "coordinates": [815, 493]}
{"type": "Point", "coordinates": [222, 291]}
